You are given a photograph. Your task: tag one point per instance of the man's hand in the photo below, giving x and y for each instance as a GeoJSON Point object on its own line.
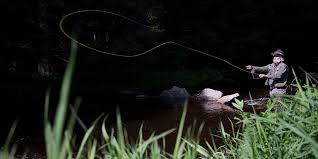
{"type": "Point", "coordinates": [248, 67]}
{"type": "Point", "coordinates": [262, 76]}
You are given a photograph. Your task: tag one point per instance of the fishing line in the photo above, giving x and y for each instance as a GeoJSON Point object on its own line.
{"type": "Point", "coordinates": [137, 54]}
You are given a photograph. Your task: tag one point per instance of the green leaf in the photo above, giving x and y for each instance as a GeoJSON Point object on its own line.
{"type": "Point", "coordinates": [238, 104]}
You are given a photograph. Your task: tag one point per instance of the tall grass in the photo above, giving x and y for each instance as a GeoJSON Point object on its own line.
{"type": "Point", "coordinates": [287, 129]}
{"type": "Point", "coordinates": [60, 138]}
{"type": "Point", "coordinates": [8, 151]}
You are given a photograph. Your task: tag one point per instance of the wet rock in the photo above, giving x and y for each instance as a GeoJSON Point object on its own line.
{"type": "Point", "coordinates": [174, 96]}
{"type": "Point", "coordinates": [217, 108]}
{"type": "Point", "coordinates": [174, 92]}
{"type": "Point", "coordinates": [227, 98]}
{"type": "Point", "coordinates": [209, 94]}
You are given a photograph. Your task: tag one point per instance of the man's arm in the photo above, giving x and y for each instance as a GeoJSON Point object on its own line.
{"type": "Point", "coordinates": [263, 69]}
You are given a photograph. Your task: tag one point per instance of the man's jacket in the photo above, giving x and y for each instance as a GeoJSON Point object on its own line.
{"type": "Point", "coordinates": [277, 74]}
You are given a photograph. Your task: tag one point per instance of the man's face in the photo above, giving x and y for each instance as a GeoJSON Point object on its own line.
{"type": "Point", "coordinates": [276, 59]}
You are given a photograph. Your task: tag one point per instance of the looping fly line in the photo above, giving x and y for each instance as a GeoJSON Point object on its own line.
{"type": "Point", "coordinates": [137, 54]}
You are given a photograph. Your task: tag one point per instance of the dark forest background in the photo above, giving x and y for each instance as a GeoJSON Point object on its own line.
{"type": "Point", "coordinates": [35, 52]}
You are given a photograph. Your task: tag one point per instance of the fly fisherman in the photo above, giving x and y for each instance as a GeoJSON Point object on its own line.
{"type": "Point", "coordinates": [276, 74]}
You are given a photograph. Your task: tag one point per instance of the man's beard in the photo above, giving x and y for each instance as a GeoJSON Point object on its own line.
{"type": "Point", "coordinates": [276, 61]}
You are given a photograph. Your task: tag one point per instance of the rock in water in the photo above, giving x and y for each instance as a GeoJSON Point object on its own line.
{"type": "Point", "coordinates": [174, 92]}
{"type": "Point", "coordinates": [213, 107]}
{"type": "Point", "coordinates": [227, 98]}
{"type": "Point", "coordinates": [175, 96]}
{"type": "Point", "coordinates": [209, 94]}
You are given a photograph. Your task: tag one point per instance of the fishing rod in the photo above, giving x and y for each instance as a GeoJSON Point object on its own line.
{"type": "Point", "coordinates": [142, 53]}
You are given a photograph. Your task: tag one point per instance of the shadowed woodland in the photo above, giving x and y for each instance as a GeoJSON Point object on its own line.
{"type": "Point", "coordinates": [35, 52]}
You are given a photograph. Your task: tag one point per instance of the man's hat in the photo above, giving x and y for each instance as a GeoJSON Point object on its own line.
{"type": "Point", "coordinates": [278, 52]}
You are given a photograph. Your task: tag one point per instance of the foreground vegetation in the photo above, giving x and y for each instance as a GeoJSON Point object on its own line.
{"type": "Point", "coordinates": [287, 129]}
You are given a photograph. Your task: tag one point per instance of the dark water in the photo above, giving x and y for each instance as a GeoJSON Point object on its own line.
{"type": "Point", "coordinates": [157, 116]}
{"type": "Point", "coordinates": [25, 103]}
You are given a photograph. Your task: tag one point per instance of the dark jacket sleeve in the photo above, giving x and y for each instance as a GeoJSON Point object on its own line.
{"type": "Point", "coordinates": [263, 69]}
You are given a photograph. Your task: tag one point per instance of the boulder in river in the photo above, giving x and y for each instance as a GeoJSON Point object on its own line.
{"type": "Point", "coordinates": [174, 96]}
{"type": "Point", "coordinates": [209, 94]}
